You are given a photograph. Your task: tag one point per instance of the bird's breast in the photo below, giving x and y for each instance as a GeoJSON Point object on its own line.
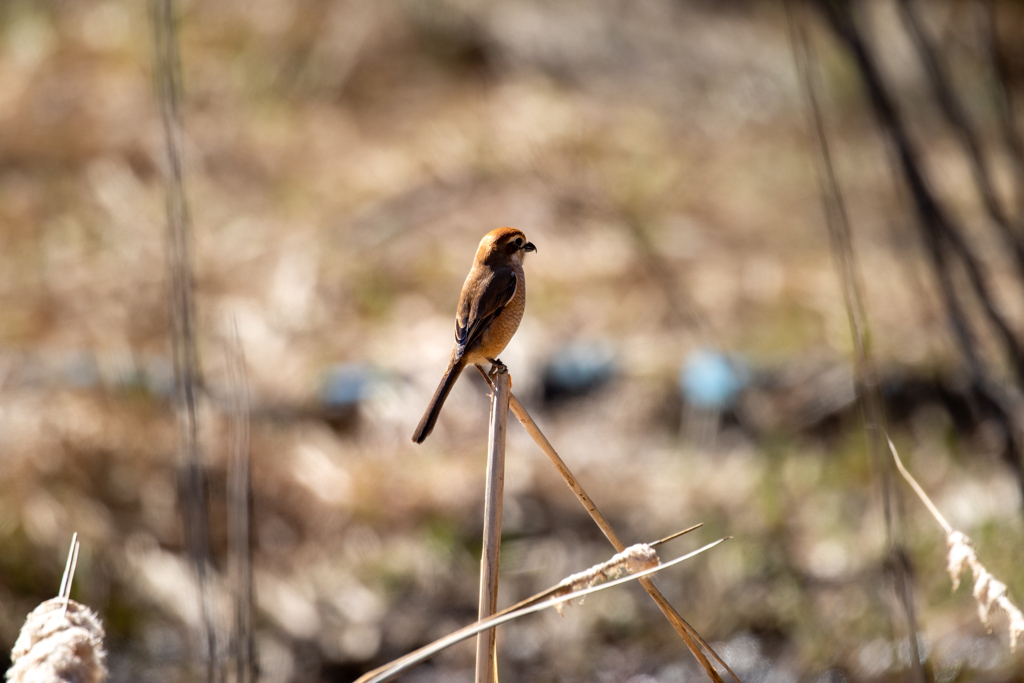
{"type": "Point", "coordinates": [501, 330]}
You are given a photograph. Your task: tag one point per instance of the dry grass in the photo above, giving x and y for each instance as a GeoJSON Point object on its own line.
{"type": "Point", "coordinates": [989, 592]}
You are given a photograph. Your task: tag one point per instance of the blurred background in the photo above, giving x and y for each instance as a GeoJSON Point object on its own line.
{"type": "Point", "coordinates": [685, 347]}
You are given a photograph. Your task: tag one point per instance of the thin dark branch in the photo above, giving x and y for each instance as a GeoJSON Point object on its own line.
{"type": "Point", "coordinates": [841, 242]}
{"type": "Point", "coordinates": [944, 240]}
{"type": "Point", "coordinates": [243, 641]}
{"type": "Point", "coordinates": [1000, 64]}
{"type": "Point", "coordinates": [932, 217]}
{"type": "Point", "coordinates": [959, 121]}
{"type": "Point", "coordinates": [192, 473]}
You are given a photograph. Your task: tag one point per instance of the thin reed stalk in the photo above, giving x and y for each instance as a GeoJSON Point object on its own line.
{"type": "Point", "coordinates": [486, 644]}
{"type": "Point", "coordinates": [69, 572]}
{"type": "Point", "coordinates": [693, 640]}
{"type": "Point", "coordinates": [556, 596]}
{"type": "Point", "coordinates": [949, 245]}
{"type": "Point", "coordinates": [243, 637]}
{"type": "Point", "coordinates": [181, 304]}
{"type": "Point", "coordinates": [866, 376]}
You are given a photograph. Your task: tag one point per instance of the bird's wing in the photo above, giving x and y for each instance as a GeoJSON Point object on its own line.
{"type": "Point", "coordinates": [481, 302]}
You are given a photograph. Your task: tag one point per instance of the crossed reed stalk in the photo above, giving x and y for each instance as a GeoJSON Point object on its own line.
{"type": "Point", "coordinates": [502, 400]}
{"type": "Point", "coordinates": [638, 561]}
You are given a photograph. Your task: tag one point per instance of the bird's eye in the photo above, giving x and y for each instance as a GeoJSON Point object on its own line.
{"type": "Point", "coordinates": [519, 241]}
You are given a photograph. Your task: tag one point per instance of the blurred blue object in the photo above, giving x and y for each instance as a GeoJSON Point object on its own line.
{"type": "Point", "coordinates": [711, 380]}
{"type": "Point", "coordinates": [158, 375]}
{"type": "Point", "coordinates": [80, 369]}
{"type": "Point", "coordinates": [345, 385]}
{"type": "Point", "coordinates": [577, 369]}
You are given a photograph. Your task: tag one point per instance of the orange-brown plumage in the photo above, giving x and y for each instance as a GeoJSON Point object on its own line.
{"type": "Point", "coordinates": [490, 308]}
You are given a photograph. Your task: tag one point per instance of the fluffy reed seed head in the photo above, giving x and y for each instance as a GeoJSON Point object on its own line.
{"type": "Point", "coordinates": [989, 592]}
{"type": "Point", "coordinates": [635, 558]}
{"type": "Point", "coordinates": [55, 646]}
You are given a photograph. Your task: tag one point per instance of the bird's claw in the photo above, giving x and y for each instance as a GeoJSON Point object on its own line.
{"type": "Point", "coordinates": [497, 368]}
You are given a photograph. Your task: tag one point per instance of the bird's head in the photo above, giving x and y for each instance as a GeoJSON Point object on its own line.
{"type": "Point", "coordinates": [504, 243]}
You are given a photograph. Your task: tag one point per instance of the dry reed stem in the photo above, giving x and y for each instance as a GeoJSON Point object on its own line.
{"type": "Point", "coordinates": [60, 642]}
{"type": "Point", "coordinates": [243, 638]}
{"type": "Point", "coordinates": [693, 640]}
{"type": "Point", "coordinates": [486, 644]}
{"type": "Point", "coordinates": [672, 537]}
{"type": "Point", "coordinates": [837, 222]}
{"type": "Point", "coordinates": [70, 574]}
{"type": "Point", "coordinates": [65, 584]}
{"type": "Point", "coordinates": [555, 597]}
{"type": "Point", "coordinates": [988, 591]}
{"type": "Point", "coordinates": [181, 305]}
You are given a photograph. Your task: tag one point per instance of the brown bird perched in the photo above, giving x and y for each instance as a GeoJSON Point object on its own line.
{"type": "Point", "coordinates": [490, 307]}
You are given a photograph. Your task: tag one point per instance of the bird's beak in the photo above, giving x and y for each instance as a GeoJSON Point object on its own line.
{"type": "Point", "coordinates": [529, 246]}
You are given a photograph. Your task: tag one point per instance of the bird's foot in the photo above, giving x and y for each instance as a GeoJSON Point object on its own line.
{"type": "Point", "coordinates": [497, 368]}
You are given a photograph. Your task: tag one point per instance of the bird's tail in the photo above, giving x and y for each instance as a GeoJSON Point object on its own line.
{"type": "Point", "coordinates": [429, 418]}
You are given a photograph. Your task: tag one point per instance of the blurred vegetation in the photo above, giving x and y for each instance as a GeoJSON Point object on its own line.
{"type": "Point", "coordinates": [343, 159]}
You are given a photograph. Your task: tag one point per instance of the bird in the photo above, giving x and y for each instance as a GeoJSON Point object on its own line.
{"type": "Point", "coordinates": [490, 308]}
